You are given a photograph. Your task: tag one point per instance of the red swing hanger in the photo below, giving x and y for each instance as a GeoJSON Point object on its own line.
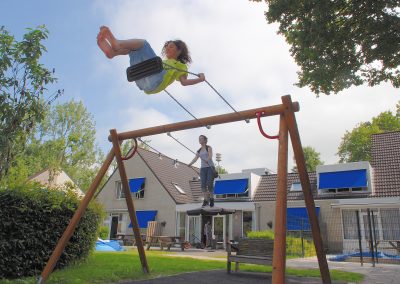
{"type": "Point", "coordinates": [127, 157]}
{"type": "Point", "coordinates": [259, 114]}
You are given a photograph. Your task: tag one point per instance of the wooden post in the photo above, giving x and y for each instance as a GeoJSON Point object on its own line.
{"type": "Point", "coordinates": [62, 242]}
{"type": "Point", "coordinates": [129, 201]}
{"type": "Point", "coordinates": [279, 258]}
{"type": "Point", "coordinates": [306, 186]}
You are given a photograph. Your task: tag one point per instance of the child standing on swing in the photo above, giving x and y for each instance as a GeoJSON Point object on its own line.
{"type": "Point", "coordinates": [139, 50]}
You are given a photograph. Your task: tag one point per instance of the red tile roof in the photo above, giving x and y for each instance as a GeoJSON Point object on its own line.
{"type": "Point", "coordinates": [385, 152]}
{"type": "Point", "coordinates": [168, 174]}
{"type": "Point", "coordinates": [266, 190]}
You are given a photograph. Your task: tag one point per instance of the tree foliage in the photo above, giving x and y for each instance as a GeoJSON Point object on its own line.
{"type": "Point", "coordinates": [64, 140]}
{"type": "Point", "coordinates": [312, 158]}
{"type": "Point", "coordinates": [221, 170]}
{"type": "Point", "coordinates": [340, 43]}
{"type": "Point", "coordinates": [356, 144]}
{"type": "Point", "coordinates": [23, 88]}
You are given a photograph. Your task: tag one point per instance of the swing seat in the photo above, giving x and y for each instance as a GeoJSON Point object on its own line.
{"type": "Point", "coordinates": [143, 69]}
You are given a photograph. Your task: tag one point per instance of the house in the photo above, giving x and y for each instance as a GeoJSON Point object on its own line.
{"type": "Point", "coordinates": [164, 190]}
{"type": "Point", "coordinates": [344, 194]}
{"type": "Point", "coordinates": [56, 179]}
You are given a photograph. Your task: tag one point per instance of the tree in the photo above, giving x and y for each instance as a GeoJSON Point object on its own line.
{"type": "Point", "coordinates": [312, 158]}
{"type": "Point", "coordinates": [356, 145]}
{"type": "Point", "coordinates": [64, 140]}
{"type": "Point", "coordinates": [23, 88]}
{"type": "Point", "coordinates": [221, 170]}
{"type": "Point", "coordinates": [341, 43]}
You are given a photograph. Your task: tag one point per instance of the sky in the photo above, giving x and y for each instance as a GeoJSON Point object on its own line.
{"type": "Point", "coordinates": [230, 41]}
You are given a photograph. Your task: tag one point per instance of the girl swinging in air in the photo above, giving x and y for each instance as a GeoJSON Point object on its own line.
{"type": "Point", "coordinates": [139, 50]}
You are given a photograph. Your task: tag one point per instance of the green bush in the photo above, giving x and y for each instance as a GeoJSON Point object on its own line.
{"type": "Point", "coordinates": [267, 234]}
{"type": "Point", "coordinates": [295, 245]}
{"type": "Point", "coordinates": [104, 231]}
{"type": "Point", "coordinates": [32, 221]}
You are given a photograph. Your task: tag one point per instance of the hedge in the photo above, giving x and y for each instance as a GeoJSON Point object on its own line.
{"type": "Point", "coordinates": [295, 245]}
{"type": "Point", "coordinates": [31, 222]}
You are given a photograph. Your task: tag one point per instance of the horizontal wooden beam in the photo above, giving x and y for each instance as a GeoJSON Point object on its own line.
{"type": "Point", "coordinates": [210, 120]}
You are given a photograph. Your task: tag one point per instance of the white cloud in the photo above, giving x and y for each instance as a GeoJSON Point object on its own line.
{"type": "Point", "coordinates": [244, 58]}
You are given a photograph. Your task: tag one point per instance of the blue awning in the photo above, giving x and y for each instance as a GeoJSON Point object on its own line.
{"type": "Point", "coordinates": [343, 179]}
{"type": "Point", "coordinates": [297, 219]}
{"type": "Point", "coordinates": [143, 217]}
{"type": "Point", "coordinates": [135, 184]}
{"type": "Point", "coordinates": [234, 186]}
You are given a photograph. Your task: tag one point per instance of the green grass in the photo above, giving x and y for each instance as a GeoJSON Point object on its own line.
{"type": "Point", "coordinates": [108, 267]}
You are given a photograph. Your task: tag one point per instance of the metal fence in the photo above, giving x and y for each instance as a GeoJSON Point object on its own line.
{"type": "Point", "coordinates": [367, 235]}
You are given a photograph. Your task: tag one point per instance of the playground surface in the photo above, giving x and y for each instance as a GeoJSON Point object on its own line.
{"type": "Point", "coordinates": [380, 274]}
{"type": "Point", "coordinates": [221, 276]}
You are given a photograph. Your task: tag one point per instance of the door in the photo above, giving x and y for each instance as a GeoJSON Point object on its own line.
{"type": "Point", "coordinates": [219, 230]}
{"type": "Point", "coordinates": [114, 227]}
{"type": "Point", "coordinates": [194, 230]}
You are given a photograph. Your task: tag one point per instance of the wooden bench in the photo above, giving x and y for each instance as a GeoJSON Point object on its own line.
{"type": "Point", "coordinates": [254, 251]}
{"type": "Point", "coordinates": [168, 241]}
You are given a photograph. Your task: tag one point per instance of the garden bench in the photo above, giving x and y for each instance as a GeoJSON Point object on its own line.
{"type": "Point", "coordinates": [254, 251]}
{"type": "Point", "coordinates": [168, 241]}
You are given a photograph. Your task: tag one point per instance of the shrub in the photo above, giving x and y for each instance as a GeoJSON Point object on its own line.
{"type": "Point", "coordinates": [267, 234]}
{"type": "Point", "coordinates": [104, 232]}
{"type": "Point", "coordinates": [295, 245]}
{"type": "Point", "coordinates": [32, 221]}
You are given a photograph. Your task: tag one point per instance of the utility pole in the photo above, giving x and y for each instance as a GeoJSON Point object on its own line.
{"type": "Point", "coordinates": [218, 158]}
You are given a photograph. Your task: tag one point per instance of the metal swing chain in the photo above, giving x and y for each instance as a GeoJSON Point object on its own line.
{"type": "Point", "coordinates": [208, 83]}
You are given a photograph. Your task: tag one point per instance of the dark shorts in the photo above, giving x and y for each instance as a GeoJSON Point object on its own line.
{"type": "Point", "coordinates": [151, 82]}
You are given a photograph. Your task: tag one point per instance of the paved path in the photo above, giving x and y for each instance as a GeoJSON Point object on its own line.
{"type": "Point", "coordinates": [380, 274]}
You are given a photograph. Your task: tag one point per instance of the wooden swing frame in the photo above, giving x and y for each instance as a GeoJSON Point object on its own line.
{"type": "Point", "coordinates": [287, 126]}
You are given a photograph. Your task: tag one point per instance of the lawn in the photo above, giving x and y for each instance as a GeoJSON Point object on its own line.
{"type": "Point", "coordinates": [108, 267]}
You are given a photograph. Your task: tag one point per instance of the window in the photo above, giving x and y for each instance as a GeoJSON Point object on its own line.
{"type": "Point", "coordinates": [349, 218]}
{"type": "Point", "coordinates": [343, 190]}
{"type": "Point", "coordinates": [233, 195]}
{"type": "Point", "coordinates": [179, 189]}
{"type": "Point", "coordinates": [247, 222]}
{"type": "Point", "coordinates": [139, 194]}
{"type": "Point", "coordinates": [343, 182]}
{"type": "Point", "coordinates": [120, 194]}
{"type": "Point", "coordinates": [296, 186]}
{"type": "Point", "coordinates": [390, 219]}
{"type": "Point", "coordinates": [119, 190]}
{"type": "Point", "coordinates": [374, 224]}
{"type": "Point", "coordinates": [181, 224]}
{"type": "Point", "coordinates": [236, 188]}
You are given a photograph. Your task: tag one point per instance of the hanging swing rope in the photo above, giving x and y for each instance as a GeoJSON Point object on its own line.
{"type": "Point", "coordinates": [175, 161]}
{"type": "Point", "coordinates": [172, 97]}
{"type": "Point", "coordinates": [147, 145]}
{"type": "Point", "coordinates": [169, 134]}
{"type": "Point", "coordinates": [208, 83]}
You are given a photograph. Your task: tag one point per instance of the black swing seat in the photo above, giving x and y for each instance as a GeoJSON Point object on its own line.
{"type": "Point", "coordinates": [143, 69]}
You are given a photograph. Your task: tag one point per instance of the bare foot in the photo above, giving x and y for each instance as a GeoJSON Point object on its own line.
{"type": "Point", "coordinates": [106, 32]}
{"type": "Point", "coordinates": [105, 46]}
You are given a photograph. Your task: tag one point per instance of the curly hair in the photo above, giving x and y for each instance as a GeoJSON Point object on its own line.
{"type": "Point", "coordinates": [184, 56]}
